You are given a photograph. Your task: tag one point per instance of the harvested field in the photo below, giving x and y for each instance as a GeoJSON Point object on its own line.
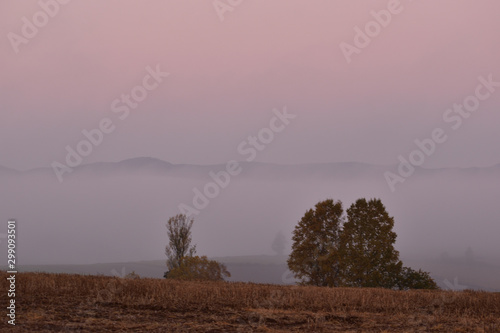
{"type": "Point", "coordinates": [75, 303]}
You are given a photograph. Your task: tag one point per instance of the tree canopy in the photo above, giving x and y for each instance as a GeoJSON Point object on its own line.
{"type": "Point", "coordinates": [369, 258]}
{"type": "Point", "coordinates": [355, 250]}
{"type": "Point", "coordinates": [315, 246]}
{"type": "Point", "coordinates": [179, 240]}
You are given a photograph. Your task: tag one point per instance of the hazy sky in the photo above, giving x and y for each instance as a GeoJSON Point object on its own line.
{"type": "Point", "coordinates": [227, 76]}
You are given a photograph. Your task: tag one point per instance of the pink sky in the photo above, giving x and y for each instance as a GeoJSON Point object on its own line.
{"type": "Point", "coordinates": [226, 77]}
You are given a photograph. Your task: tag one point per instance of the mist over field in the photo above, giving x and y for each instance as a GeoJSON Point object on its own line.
{"type": "Point", "coordinates": [117, 212]}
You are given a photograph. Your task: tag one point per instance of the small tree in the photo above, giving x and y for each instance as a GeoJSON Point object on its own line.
{"type": "Point", "coordinates": [314, 258]}
{"type": "Point", "coordinates": [279, 244]}
{"type": "Point", "coordinates": [469, 255]}
{"type": "Point", "coordinates": [179, 245]}
{"type": "Point", "coordinates": [367, 246]}
{"type": "Point", "coordinates": [199, 268]}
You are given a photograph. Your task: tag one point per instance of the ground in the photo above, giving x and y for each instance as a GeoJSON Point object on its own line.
{"type": "Point", "coordinates": [75, 303]}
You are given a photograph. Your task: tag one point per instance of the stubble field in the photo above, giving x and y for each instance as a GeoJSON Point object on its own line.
{"type": "Point", "coordinates": [75, 303]}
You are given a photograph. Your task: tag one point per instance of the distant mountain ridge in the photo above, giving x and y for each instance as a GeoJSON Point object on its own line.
{"type": "Point", "coordinates": [158, 167]}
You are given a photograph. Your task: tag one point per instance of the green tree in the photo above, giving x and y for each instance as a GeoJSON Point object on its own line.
{"type": "Point", "coordinates": [199, 268]}
{"type": "Point", "coordinates": [314, 258]}
{"type": "Point", "coordinates": [179, 245]}
{"type": "Point", "coordinates": [356, 251]}
{"type": "Point", "coordinates": [369, 258]}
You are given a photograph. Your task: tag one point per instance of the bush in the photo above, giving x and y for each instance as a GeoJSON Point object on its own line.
{"type": "Point", "coordinates": [198, 268]}
{"type": "Point", "coordinates": [411, 279]}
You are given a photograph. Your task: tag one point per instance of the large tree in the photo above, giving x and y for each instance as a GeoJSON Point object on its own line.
{"type": "Point", "coordinates": [179, 241]}
{"type": "Point", "coordinates": [358, 251]}
{"type": "Point", "coordinates": [369, 258]}
{"type": "Point", "coordinates": [314, 258]}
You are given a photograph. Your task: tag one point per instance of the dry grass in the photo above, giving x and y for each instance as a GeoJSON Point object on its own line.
{"type": "Point", "coordinates": [74, 303]}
